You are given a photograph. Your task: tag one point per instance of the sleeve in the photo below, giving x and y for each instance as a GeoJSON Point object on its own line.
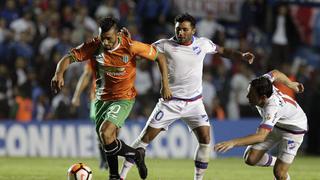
{"type": "Point", "coordinates": [210, 47]}
{"type": "Point", "coordinates": [83, 52]}
{"type": "Point", "coordinates": [269, 118]}
{"type": "Point", "coordinates": [270, 76]}
{"type": "Point", "coordinates": [159, 45]}
{"type": "Point", "coordinates": [143, 50]}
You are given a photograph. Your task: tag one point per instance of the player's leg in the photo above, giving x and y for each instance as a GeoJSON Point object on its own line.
{"type": "Point", "coordinates": [197, 119]}
{"type": "Point", "coordinates": [102, 155]}
{"type": "Point", "coordinates": [202, 154]}
{"type": "Point", "coordinates": [288, 148]}
{"type": "Point", "coordinates": [141, 142]}
{"type": "Point", "coordinates": [254, 157]}
{"type": "Point", "coordinates": [108, 123]}
{"type": "Point", "coordinates": [280, 170]}
{"type": "Point", "coordinates": [161, 117]}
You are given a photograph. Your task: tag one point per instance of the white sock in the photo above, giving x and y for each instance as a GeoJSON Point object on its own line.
{"type": "Point", "coordinates": [202, 156]}
{"type": "Point", "coordinates": [267, 161]}
{"type": "Point", "coordinates": [127, 165]}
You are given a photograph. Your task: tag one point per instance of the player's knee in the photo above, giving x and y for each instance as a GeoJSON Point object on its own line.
{"type": "Point", "coordinates": [247, 158]}
{"type": "Point", "coordinates": [205, 139]}
{"type": "Point", "coordinates": [250, 160]}
{"type": "Point", "coordinates": [280, 174]}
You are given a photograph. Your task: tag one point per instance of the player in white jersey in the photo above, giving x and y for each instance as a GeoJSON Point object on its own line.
{"type": "Point", "coordinates": [283, 124]}
{"type": "Point", "coordinates": [185, 55]}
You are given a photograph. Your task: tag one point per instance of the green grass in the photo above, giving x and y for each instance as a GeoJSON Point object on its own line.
{"type": "Point", "coordinates": [304, 168]}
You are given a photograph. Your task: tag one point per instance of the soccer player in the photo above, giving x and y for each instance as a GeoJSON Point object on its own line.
{"type": "Point", "coordinates": [283, 123]}
{"type": "Point", "coordinates": [185, 54]}
{"type": "Point", "coordinates": [112, 56]}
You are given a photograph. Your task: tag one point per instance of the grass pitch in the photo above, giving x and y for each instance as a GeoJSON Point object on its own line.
{"type": "Point", "coordinates": [304, 168]}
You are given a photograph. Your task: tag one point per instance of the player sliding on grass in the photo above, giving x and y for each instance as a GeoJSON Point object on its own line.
{"type": "Point", "coordinates": [185, 54]}
{"type": "Point", "coordinates": [112, 56]}
{"type": "Point", "coordinates": [283, 123]}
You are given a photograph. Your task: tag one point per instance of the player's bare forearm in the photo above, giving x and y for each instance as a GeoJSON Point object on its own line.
{"type": "Point", "coordinates": [282, 78]}
{"type": "Point", "coordinates": [63, 65]}
{"type": "Point", "coordinates": [260, 136]}
{"type": "Point", "coordinates": [81, 85]}
{"type": "Point", "coordinates": [236, 55]}
{"type": "Point", "coordinates": [57, 81]}
{"type": "Point", "coordinates": [162, 63]}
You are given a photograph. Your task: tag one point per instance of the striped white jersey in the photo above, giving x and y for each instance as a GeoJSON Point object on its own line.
{"type": "Point", "coordinates": [185, 64]}
{"type": "Point", "coordinates": [283, 112]}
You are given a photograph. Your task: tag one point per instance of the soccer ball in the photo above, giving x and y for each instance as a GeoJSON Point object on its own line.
{"type": "Point", "coordinates": [79, 171]}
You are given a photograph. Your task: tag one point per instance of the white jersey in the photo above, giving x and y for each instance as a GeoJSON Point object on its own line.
{"type": "Point", "coordinates": [282, 112]}
{"type": "Point", "coordinates": [185, 64]}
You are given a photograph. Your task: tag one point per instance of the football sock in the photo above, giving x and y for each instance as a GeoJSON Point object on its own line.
{"type": "Point", "coordinates": [201, 161]}
{"type": "Point", "coordinates": [266, 160]}
{"type": "Point", "coordinates": [128, 162]}
{"type": "Point", "coordinates": [118, 147]}
{"type": "Point", "coordinates": [113, 165]}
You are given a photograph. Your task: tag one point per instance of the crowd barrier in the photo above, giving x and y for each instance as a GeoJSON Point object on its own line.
{"type": "Point", "coordinates": [77, 138]}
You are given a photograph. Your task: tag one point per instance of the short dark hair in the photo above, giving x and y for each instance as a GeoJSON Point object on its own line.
{"type": "Point", "coordinates": [263, 86]}
{"type": "Point", "coordinates": [107, 23]}
{"type": "Point", "coordinates": [185, 17]}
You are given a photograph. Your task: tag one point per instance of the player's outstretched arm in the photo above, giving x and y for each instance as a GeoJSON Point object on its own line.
{"type": "Point", "coordinates": [259, 136]}
{"type": "Point", "coordinates": [236, 55]}
{"type": "Point", "coordinates": [57, 81]}
{"type": "Point", "coordinates": [81, 85]}
{"type": "Point", "coordinates": [282, 78]}
{"type": "Point", "coordinates": [162, 63]}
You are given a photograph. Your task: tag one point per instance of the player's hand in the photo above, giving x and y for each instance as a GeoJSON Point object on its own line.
{"type": "Point", "coordinates": [166, 93]}
{"type": "Point", "coordinates": [57, 83]}
{"type": "Point", "coordinates": [224, 146]}
{"type": "Point", "coordinates": [124, 31]}
{"type": "Point", "coordinates": [296, 86]}
{"type": "Point", "coordinates": [249, 57]}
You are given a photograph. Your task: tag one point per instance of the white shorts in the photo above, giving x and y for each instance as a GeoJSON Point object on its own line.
{"type": "Point", "coordinates": [166, 112]}
{"type": "Point", "coordinates": [288, 144]}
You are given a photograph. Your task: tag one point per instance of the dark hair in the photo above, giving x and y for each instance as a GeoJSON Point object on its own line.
{"type": "Point", "coordinates": [107, 23]}
{"type": "Point", "coordinates": [263, 86]}
{"type": "Point", "coordinates": [185, 17]}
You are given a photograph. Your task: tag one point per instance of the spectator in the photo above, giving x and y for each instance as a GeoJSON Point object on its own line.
{"type": "Point", "coordinates": [285, 37]}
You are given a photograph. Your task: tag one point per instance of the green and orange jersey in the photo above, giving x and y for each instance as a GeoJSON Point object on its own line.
{"type": "Point", "coordinates": [114, 70]}
{"type": "Point", "coordinates": [89, 68]}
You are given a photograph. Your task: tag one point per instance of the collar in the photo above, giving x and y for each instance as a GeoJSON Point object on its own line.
{"type": "Point", "coordinates": [119, 42]}
{"type": "Point", "coordinates": [184, 44]}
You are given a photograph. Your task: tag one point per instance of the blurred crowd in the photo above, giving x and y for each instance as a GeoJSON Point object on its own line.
{"type": "Point", "coordinates": [35, 34]}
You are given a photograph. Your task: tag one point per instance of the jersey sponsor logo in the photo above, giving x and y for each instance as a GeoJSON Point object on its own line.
{"type": "Point", "coordinates": [113, 71]}
{"type": "Point", "coordinates": [196, 50]}
{"type": "Point", "coordinates": [291, 145]}
{"type": "Point", "coordinates": [205, 118]}
{"type": "Point", "coordinates": [125, 58]}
